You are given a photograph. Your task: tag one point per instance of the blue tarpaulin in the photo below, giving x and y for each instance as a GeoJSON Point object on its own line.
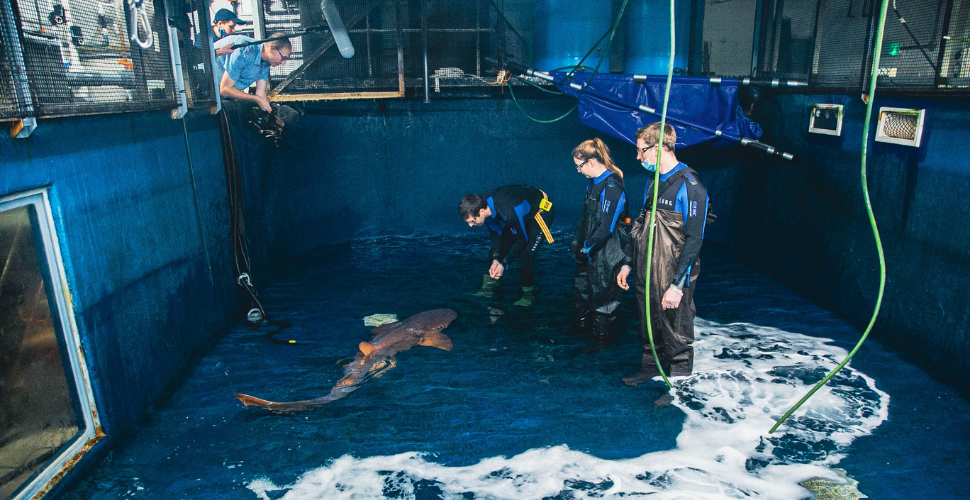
{"type": "Point", "coordinates": [696, 109]}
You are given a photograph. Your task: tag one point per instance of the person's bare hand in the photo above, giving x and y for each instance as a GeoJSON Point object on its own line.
{"type": "Point", "coordinates": [622, 276]}
{"type": "Point", "coordinates": [263, 103]}
{"type": "Point", "coordinates": [672, 298]}
{"type": "Point", "coordinates": [496, 270]}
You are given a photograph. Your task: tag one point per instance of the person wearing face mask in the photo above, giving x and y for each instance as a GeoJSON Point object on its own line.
{"type": "Point", "coordinates": [598, 244]}
{"type": "Point", "coordinates": [682, 211]}
{"type": "Point", "coordinates": [224, 23]}
{"type": "Point", "coordinates": [518, 219]}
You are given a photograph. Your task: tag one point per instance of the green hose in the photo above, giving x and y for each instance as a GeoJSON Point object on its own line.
{"type": "Point", "coordinates": [656, 189]}
{"type": "Point", "coordinates": [612, 33]}
{"type": "Point", "coordinates": [872, 220]}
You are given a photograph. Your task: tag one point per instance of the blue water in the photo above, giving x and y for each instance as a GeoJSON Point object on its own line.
{"type": "Point", "coordinates": [517, 411]}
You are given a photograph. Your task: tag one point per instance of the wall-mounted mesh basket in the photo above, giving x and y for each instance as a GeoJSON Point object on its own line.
{"type": "Point", "coordinates": [900, 126]}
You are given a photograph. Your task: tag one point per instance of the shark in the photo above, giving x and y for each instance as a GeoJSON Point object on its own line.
{"type": "Point", "coordinates": [375, 357]}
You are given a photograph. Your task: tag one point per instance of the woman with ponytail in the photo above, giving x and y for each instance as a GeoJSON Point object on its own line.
{"type": "Point", "coordinates": [599, 244]}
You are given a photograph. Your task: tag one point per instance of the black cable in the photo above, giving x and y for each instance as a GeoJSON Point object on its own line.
{"type": "Point", "coordinates": [280, 326]}
{"type": "Point", "coordinates": [240, 248]}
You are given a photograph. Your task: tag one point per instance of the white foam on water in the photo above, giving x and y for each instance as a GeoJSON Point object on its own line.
{"type": "Point", "coordinates": [745, 377]}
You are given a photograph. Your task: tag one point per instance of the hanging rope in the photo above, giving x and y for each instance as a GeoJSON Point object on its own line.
{"type": "Point", "coordinates": [873, 76]}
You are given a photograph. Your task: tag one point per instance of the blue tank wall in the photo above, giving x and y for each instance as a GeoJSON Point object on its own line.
{"type": "Point", "coordinates": [804, 222]}
{"type": "Point", "coordinates": [149, 272]}
{"type": "Point", "coordinates": [648, 37]}
{"type": "Point", "coordinates": [565, 30]}
{"type": "Point", "coordinates": [357, 170]}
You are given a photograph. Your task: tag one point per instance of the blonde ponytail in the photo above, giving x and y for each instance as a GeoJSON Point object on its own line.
{"type": "Point", "coordinates": [596, 149]}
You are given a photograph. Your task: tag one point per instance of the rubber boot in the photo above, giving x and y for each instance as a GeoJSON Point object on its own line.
{"type": "Point", "coordinates": [580, 326]}
{"type": "Point", "coordinates": [648, 370]}
{"type": "Point", "coordinates": [489, 286]}
{"type": "Point", "coordinates": [683, 364]}
{"type": "Point", "coordinates": [601, 338]}
{"type": "Point", "coordinates": [528, 296]}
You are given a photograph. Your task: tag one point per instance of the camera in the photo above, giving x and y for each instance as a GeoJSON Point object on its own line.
{"type": "Point", "coordinates": [271, 125]}
{"type": "Point", "coordinates": [268, 125]}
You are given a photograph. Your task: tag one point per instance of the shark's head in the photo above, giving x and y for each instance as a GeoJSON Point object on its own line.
{"type": "Point", "coordinates": [436, 319]}
{"type": "Point", "coordinates": [432, 322]}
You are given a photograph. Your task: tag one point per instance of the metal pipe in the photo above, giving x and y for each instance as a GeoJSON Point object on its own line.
{"type": "Point", "coordinates": [424, 46]}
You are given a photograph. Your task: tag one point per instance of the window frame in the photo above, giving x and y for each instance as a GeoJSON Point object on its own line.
{"type": "Point", "coordinates": [63, 309]}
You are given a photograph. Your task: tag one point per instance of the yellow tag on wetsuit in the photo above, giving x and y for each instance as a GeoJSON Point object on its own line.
{"type": "Point", "coordinates": [545, 205]}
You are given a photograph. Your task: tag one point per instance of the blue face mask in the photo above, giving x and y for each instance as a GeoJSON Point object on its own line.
{"type": "Point", "coordinates": [222, 33]}
{"type": "Point", "coordinates": [649, 163]}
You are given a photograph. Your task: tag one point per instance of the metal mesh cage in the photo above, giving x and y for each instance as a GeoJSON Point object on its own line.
{"type": "Point", "coordinates": [841, 42]}
{"type": "Point", "coordinates": [789, 40]}
{"type": "Point", "coordinates": [465, 41]}
{"type": "Point", "coordinates": [955, 64]}
{"type": "Point", "coordinates": [80, 60]}
{"type": "Point", "coordinates": [193, 29]}
{"type": "Point", "coordinates": [911, 43]}
{"type": "Point", "coordinates": [316, 66]}
{"type": "Point", "coordinates": [10, 106]}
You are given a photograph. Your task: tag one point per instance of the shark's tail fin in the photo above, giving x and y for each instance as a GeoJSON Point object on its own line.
{"type": "Point", "coordinates": [251, 401]}
{"type": "Point", "coordinates": [248, 400]}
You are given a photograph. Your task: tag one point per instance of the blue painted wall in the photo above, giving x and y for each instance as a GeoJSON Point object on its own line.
{"type": "Point", "coordinates": [358, 170]}
{"type": "Point", "coordinates": [144, 237]}
{"type": "Point", "coordinates": [804, 222]}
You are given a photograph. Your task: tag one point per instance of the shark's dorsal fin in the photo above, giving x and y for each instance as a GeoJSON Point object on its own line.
{"type": "Point", "coordinates": [383, 328]}
{"type": "Point", "coordinates": [436, 339]}
{"type": "Point", "coordinates": [366, 348]}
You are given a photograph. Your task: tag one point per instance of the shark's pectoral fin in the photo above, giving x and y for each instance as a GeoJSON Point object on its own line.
{"type": "Point", "coordinates": [436, 339]}
{"type": "Point", "coordinates": [366, 348]}
{"type": "Point", "coordinates": [383, 328]}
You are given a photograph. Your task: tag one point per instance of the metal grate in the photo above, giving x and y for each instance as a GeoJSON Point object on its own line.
{"type": "Point", "coordinates": [193, 28]}
{"type": "Point", "coordinates": [465, 40]}
{"type": "Point", "coordinates": [841, 44]}
{"type": "Point", "coordinates": [925, 44]}
{"type": "Point", "coordinates": [316, 66]}
{"type": "Point", "coordinates": [789, 39]}
{"type": "Point", "coordinates": [911, 43]}
{"type": "Point", "coordinates": [9, 105]}
{"type": "Point", "coordinates": [79, 60]}
{"type": "Point", "coordinates": [955, 66]}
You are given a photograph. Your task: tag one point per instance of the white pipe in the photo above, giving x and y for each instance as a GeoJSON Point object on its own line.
{"type": "Point", "coordinates": [337, 29]}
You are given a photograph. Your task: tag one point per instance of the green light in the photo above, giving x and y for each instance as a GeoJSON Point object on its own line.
{"type": "Point", "coordinates": [894, 49]}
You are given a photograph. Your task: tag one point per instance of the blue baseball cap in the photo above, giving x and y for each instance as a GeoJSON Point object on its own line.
{"type": "Point", "coordinates": [223, 15]}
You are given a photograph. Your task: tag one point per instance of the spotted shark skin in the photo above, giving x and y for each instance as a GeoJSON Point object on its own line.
{"type": "Point", "coordinates": [374, 357]}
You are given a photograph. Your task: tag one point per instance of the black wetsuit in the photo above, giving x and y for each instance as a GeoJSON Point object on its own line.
{"type": "Point", "coordinates": [598, 247]}
{"type": "Point", "coordinates": [516, 233]}
{"type": "Point", "coordinates": [681, 217]}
